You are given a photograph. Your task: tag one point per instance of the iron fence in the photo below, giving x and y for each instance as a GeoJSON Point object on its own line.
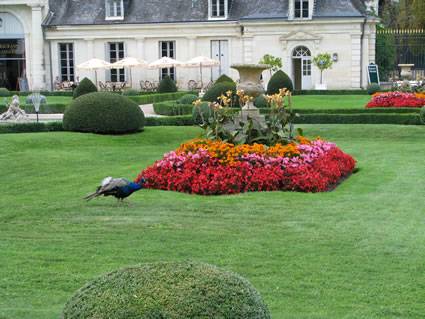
{"type": "Point", "coordinates": [396, 46]}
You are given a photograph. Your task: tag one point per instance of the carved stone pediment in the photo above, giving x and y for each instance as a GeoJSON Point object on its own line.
{"type": "Point", "coordinates": [300, 35]}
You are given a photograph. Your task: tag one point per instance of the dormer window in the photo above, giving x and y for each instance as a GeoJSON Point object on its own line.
{"type": "Point", "coordinates": [218, 9]}
{"type": "Point", "coordinates": [301, 9]}
{"type": "Point", "coordinates": [114, 9]}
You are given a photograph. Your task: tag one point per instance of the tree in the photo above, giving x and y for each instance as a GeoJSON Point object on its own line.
{"type": "Point", "coordinates": [323, 61]}
{"type": "Point", "coordinates": [402, 14]}
{"type": "Point", "coordinates": [274, 62]}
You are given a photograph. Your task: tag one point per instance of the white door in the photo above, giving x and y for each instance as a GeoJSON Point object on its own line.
{"type": "Point", "coordinates": [219, 52]}
{"type": "Point", "coordinates": [306, 73]}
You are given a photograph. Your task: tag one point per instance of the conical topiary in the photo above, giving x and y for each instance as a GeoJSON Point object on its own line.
{"type": "Point", "coordinates": [224, 78]}
{"type": "Point", "coordinates": [166, 85]}
{"type": "Point", "coordinates": [279, 80]}
{"type": "Point", "coordinates": [85, 86]}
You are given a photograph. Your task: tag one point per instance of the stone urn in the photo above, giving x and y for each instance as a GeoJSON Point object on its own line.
{"type": "Point", "coordinates": [249, 82]}
{"type": "Point", "coordinates": [406, 73]}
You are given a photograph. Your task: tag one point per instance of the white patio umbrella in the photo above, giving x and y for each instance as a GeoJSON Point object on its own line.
{"type": "Point", "coordinates": [129, 62]}
{"type": "Point", "coordinates": [94, 64]}
{"type": "Point", "coordinates": [201, 62]}
{"type": "Point", "coordinates": [165, 62]}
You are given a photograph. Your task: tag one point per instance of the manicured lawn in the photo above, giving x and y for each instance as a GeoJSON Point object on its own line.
{"type": "Point", "coordinates": [357, 252]}
{"type": "Point", "coordinates": [300, 102]}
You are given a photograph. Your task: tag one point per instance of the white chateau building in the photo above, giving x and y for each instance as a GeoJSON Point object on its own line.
{"type": "Point", "coordinates": [43, 39]}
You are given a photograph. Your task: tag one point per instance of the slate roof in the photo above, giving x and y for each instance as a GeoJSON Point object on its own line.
{"type": "Point", "coordinates": [83, 12]}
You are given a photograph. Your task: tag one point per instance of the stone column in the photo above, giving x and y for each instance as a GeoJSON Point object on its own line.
{"type": "Point", "coordinates": [37, 60]}
{"type": "Point", "coordinates": [248, 42]}
{"type": "Point", "coordinates": [355, 61]}
{"type": "Point", "coordinates": [365, 56]}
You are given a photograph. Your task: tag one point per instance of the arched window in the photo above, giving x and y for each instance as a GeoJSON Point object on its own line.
{"type": "Point", "coordinates": [300, 52]}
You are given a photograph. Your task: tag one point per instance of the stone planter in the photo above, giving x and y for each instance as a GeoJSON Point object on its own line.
{"type": "Point", "coordinates": [321, 86]}
{"type": "Point", "coordinates": [406, 73]}
{"type": "Point", "coordinates": [249, 82]}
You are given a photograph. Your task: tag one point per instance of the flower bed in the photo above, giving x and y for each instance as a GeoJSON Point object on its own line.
{"type": "Point", "coordinates": [216, 168]}
{"type": "Point", "coordinates": [397, 99]}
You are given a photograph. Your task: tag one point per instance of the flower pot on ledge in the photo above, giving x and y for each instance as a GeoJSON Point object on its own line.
{"type": "Point", "coordinates": [321, 86]}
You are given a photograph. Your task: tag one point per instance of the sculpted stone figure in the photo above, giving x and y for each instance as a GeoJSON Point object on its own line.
{"type": "Point", "coordinates": [14, 113]}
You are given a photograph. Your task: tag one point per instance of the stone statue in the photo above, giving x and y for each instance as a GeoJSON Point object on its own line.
{"type": "Point", "coordinates": [14, 113]}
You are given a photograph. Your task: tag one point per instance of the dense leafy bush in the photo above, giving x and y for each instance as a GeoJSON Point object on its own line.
{"type": "Point", "coordinates": [152, 98]}
{"type": "Point", "coordinates": [29, 98]}
{"type": "Point", "coordinates": [224, 78]}
{"type": "Point", "coordinates": [172, 108]}
{"type": "Point", "coordinates": [105, 113]}
{"type": "Point", "coordinates": [130, 92]}
{"type": "Point", "coordinates": [279, 80]}
{"type": "Point", "coordinates": [422, 115]}
{"type": "Point", "coordinates": [166, 85]}
{"type": "Point", "coordinates": [206, 111]}
{"type": "Point", "coordinates": [372, 88]}
{"type": "Point", "coordinates": [188, 99]}
{"type": "Point", "coordinates": [219, 88]}
{"type": "Point", "coordinates": [167, 290]}
{"type": "Point", "coordinates": [31, 127]}
{"type": "Point", "coordinates": [86, 86]}
{"type": "Point", "coordinates": [181, 120]}
{"type": "Point", "coordinates": [4, 92]}
{"type": "Point", "coordinates": [260, 101]}
{"type": "Point", "coordinates": [372, 118]}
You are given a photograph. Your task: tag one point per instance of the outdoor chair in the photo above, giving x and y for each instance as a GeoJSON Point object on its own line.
{"type": "Point", "coordinates": [102, 86]}
{"type": "Point", "coordinates": [209, 85]}
{"type": "Point", "coordinates": [149, 86]}
{"type": "Point", "coordinates": [191, 85]}
{"type": "Point", "coordinates": [143, 86]}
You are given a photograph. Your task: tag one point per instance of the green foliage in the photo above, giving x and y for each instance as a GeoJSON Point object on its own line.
{"type": "Point", "coordinates": [274, 62]}
{"type": "Point", "coordinates": [204, 109]}
{"type": "Point", "coordinates": [86, 86]}
{"type": "Point", "coordinates": [4, 92]}
{"type": "Point", "coordinates": [371, 118]}
{"type": "Point", "coordinates": [260, 101]}
{"type": "Point", "coordinates": [323, 61]}
{"type": "Point", "coordinates": [182, 120]}
{"type": "Point", "coordinates": [188, 99]}
{"type": "Point", "coordinates": [152, 98]}
{"type": "Point", "coordinates": [104, 113]}
{"type": "Point", "coordinates": [171, 290]}
{"type": "Point", "coordinates": [330, 92]}
{"type": "Point", "coordinates": [224, 78]}
{"type": "Point", "coordinates": [31, 127]}
{"type": "Point", "coordinates": [422, 115]}
{"type": "Point", "coordinates": [166, 85]}
{"type": "Point", "coordinates": [385, 55]}
{"type": "Point", "coordinates": [217, 90]}
{"type": "Point", "coordinates": [130, 92]}
{"type": "Point", "coordinates": [372, 88]}
{"type": "Point", "coordinates": [28, 100]}
{"type": "Point", "coordinates": [279, 80]}
{"type": "Point", "coordinates": [172, 108]}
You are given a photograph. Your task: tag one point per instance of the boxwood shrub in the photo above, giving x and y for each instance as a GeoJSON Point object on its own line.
{"type": "Point", "coordinates": [422, 115]}
{"type": "Point", "coordinates": [172, 290]}
{"type": "Point", "coordinates": [279, 80]}
{"type": "Point", "coordinates": [31, 127]}
{"type": "Point", "coordinates": [86, 86]}
{"type": "Point", "coordinates": [224, 78]}
{"type": "Point", "coordinates": [206, 111]}
{"type": "Point", "coordinates": [372, 88]}
{"type": "Point", "coordinates": [105, 113]}
{"type": "Point", "coordinates": [217, 89]}
{"type": "Point", "coordinates": [4, 92]}
{"type": "Point", "coordinates": [166, 85]}
{"type": "Point", "coordinates": [130, 92]}
{"type": "Point", "coordinates": [172, 108]}
{"type": "Point", "coordinates": [188, 99]}
{"type": "Point", "coordinates": [152, 98]}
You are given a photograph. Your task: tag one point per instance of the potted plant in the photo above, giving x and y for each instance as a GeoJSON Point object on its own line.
{"type": "Point", "coordinates": [323, 61]}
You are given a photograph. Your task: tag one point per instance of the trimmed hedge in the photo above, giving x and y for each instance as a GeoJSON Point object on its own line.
{"type": "Point", "coordinates": [31, 127]}
{"type": "Point", "coordinates": [4, 92]}
{"type": "Point", "coordinates": [224, 78]}
{"type": "Point", "coordinates": [171, 290]}
{"type": "Point", "coordinates": [50, 108]}
{"type": "Point", "coordinates": [206, 110]}
{"type": "Point", "coordinates": [188, 99]}
{"type": "Point", "coordinates": [402, 119]}
{"type": "Point", "coordinates": [422, 115]}
{"type": "Point", "coordinates": [157, 97]}
{"type": "Point", "coordinates": [219, 88]}
{"type": "Point", "coordinates": [182, 120]}
{"type": "Point", "coordinates": [85, 87]}
{"type": "Point", "coordinates": [172, 108]}
{"type": "Point", "coordinates": [103, 113]}
{"type": "Point", "coordinates": [130, 92]}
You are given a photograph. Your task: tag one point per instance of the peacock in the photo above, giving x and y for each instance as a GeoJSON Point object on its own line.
{"type": "Point", "coordinates": [118, 187]}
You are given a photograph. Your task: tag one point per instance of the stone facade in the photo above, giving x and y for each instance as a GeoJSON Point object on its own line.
{"type": "Point", "coordinates": [243, 36]}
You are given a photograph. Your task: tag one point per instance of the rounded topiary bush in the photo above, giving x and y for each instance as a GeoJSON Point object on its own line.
{"type": "Point", "coordinates": [372, 88]}
{"type": "Point", "coordinates": [206, 111]}
{"type": "Point", "coordinates": [279, 80]}
{"type": "Point", "coordinates": [217, 90]}
{"type": "Point", "coordinates": [4, 92]}
{"type": "Point", "coordinates": [130, 92]}
{"type": "Point", "coordinates": [166, 85]}
{"type": "Point", "coordinates": [224, 78]}
{"type": "Point", "coordinates": [188, 99]}
{"type": "Point", "coordinates": [105, 113]}
{"type": "Point", "coordinates": [28, 100]}
{"type": "Point", "coordinates": [422, 115]}
{"type": "Point", "coordinates": [86, 86]}
{"type": "Point", "coordinates": [172, 290]}
{"type": "Point", "coordinates": [260, 101]}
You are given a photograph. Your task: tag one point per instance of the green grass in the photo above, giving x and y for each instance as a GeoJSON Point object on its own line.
{"type": "Point", "coordinates": [300, 102]}
{"type": "Point", "coordinates": [50, 99]}
{"type": "Point", "coordinates": [357, 252]}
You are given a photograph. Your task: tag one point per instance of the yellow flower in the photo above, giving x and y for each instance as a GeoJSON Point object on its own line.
{"type": "Point", "coordinates": [229, 93]}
